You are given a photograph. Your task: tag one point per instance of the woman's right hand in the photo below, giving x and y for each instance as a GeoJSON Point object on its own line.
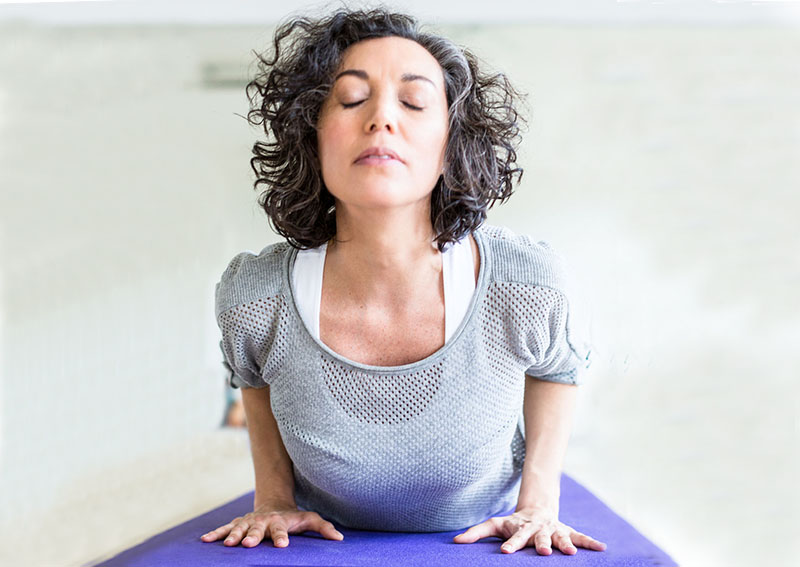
{"type": "Point", "coordinates": [272, 522]}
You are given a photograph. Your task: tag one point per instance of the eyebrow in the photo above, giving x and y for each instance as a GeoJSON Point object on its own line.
{"type": "Point", "coordinates": [405, 77]}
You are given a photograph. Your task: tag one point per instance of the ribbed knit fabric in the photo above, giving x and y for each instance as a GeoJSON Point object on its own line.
{"type": "Point", "coordinates": [435, 445]}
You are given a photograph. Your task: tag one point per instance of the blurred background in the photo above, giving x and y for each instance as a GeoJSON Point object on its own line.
{"type": "Point", "coordinates": [662, 149]}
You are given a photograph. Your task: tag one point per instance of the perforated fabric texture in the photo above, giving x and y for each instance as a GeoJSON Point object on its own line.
{"type": "Point", "coordinates": [435, 445]}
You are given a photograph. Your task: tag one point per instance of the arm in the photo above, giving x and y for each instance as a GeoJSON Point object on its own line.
{"type": "Point", "coordinates": [548, 408]}
{"type": "Point", "coordinates": [275, 514]}
{"type": "Point", "coordinates": [273, 467]}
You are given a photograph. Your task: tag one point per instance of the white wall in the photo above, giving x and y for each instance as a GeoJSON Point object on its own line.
{"type": "Point", "coordinates": [706, 12]}
{"type": "Point", "coordinates": [662, 162]}
{"type": "Point", "coordinates": [125, 193]}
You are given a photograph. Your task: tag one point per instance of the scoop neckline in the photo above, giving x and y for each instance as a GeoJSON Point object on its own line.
{"type": "Point", "coordinates": [480, 290]}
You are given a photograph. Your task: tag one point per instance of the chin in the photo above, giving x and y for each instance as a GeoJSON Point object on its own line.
{"type": "Point", "coordinates": [384, 204]}
{"type": "Point", "coordinates": [381, 195]}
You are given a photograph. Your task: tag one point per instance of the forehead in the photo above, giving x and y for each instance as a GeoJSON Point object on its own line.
{"type": "Point", "coordinates": [393, 56]}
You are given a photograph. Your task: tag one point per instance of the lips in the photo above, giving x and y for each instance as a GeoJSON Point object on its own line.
{"type": "Point", "coordinates": [376, 152]}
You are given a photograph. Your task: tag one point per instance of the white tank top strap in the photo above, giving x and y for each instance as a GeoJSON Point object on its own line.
{"type": "Point", "coordinates": [458, 273]}
{"type": "Point", "coordinates": [459, 283]}
{"type": "Point", "coordinates": [307, 283]}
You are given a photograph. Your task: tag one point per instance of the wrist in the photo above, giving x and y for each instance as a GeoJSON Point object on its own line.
{"type": "Point", "coordinates": [273, 506]}
{"type": "Point", "coordinates": [539, 491]}
{"type": "Point", "coordinates": [537, 508]}
{"type": "Point", "coordinates": [274, 501]}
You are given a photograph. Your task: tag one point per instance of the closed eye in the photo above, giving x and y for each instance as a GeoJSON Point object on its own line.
{"type": "Point", "coordinates": [353, 104]}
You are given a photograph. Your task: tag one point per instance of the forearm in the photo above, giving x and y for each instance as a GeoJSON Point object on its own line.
{"type": "Point", "coordinates": [274, 479]}
{"type": "Point", "coordinates": [548, 409]}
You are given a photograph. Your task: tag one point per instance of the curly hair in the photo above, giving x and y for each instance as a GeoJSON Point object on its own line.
{"type": "Point", "coordinates": [288, 91]}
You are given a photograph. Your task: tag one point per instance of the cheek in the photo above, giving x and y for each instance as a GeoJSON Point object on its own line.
{"type": "Point", "coordinates": [333, 139]}
{"type": "Point", "coordinates": [435, 142]}
{"type": "Point", "coordinates": [329, 142]}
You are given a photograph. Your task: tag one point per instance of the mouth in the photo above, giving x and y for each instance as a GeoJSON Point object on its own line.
{"type": "Point", "coordinates": [377, 156]}
{"type": "Point", "coordinates": [374, 160]}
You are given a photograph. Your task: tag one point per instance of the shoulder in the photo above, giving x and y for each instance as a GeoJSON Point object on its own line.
{"type": "Point", "coordinates": [249, 276]}
{"type": "Point", "coordinates": [518, 258]}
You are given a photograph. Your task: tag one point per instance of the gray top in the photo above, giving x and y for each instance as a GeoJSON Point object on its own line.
{"type": "Point", "coordinates": [434, 445]}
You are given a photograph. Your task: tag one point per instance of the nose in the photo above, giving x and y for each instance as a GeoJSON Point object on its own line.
{"type": "Point", "coordinates": [382, 116]}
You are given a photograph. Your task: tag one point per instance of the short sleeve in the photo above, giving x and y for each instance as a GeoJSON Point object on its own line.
{"type": "Point", "coordinates": [246, 340]}
{"type": "Point", "coordinates": [560, 354]}
{"type": "Point", "coordinates": [239, 374]}
{"type": "Point", "coordinates": [559, 338]}
{"type": "Point", "coordinates": [242, 351]}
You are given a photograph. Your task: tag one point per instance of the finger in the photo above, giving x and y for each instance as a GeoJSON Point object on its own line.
{"type": "Point", "coordinates": [543, 542]}
{"type": "Point", "coordinates": [482, 530]}
{"type": "Point", "coordinates": [220, 532]}
{"type": "Point", "coordinates": [254, 536]}
{"type": "Point", "coordinates": [277, 531]}
{"type": "Point", "coordinates": [583, 540]}
{"type": "Point", "coordinates": [236, 534]}
{"type": "Point", "coordinates": [564, 543]}
{"type": "Point", "coordinates": [323, 527]}
{"type": "Point", "coordinates": [258, 528]}
{"type": "Point", "coordinates": [517, 541]}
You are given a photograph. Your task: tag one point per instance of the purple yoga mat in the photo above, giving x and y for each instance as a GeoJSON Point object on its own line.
{"type": "Point", "coordinates": [181, 546]}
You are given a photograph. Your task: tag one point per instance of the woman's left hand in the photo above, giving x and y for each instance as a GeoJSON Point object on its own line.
{"type": "Point", "coordinates": [531, 527]}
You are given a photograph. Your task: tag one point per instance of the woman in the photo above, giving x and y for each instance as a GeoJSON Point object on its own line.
{"type": "Point", "coordinates": [383, 350]}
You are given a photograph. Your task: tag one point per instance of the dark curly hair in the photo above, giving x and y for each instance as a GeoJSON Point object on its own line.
{"type": "Point", "coordinates": [289, 89]}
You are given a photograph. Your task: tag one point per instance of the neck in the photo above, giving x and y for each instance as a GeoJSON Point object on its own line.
{"type": "Point", "coordinates": [383, 255]}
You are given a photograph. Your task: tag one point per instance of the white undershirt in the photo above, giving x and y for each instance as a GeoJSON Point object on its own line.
{"type": "Point", "coordinates": [458, 272]}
